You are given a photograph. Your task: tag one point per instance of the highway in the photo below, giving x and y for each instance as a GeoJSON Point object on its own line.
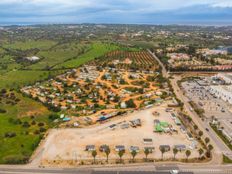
{"type": "Point", "coordinates": [124, 169]}
{"type": "Point", "coordinates": [219, 146]}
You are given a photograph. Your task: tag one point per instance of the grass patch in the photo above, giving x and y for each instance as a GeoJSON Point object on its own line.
{"type": "Point", "coordinates": [18, 78]}
{"type": "Point", "coordinates": [22, 138]}
{"type": "Point", "coordinates": [220, 134]}
{"type": "Point", "coordinates": [226, 160]}
{"type": "Point", "coordinates": [58, 55]}
{"type": "Point", "coordinates": [97, 50]}
{"type": "Point", "coordinates": [30, 44]}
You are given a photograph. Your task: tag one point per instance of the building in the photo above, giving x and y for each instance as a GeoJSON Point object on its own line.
{"type": "Point", "coordinates": [223, 92]}
{"type": "Point", "coordinates": [33, 58]}
{"type": "Point", "coordinates": [226, 77]}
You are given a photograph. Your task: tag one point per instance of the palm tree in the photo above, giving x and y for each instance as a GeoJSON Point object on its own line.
{"type": "Point", "coordinates": [107, 152]}
{"type": "Point", "coordinates": [210, 147]}
{"type": "Point", "coordinates": [207, 140]}
{"type": "Point", "coordinates": [133, 153]}
{"type": "Point", "coordinates": [175, 151]}
{"type": "Point", "coordinates": [200, 151]}
{"type": "Point", "coordinates": [120, 154]}
{"type": "Point", "coordinates": [212, 118]}
{"type": "Point", "coordinates": [162, 150]}
{"type": "Point", "coordinates": [146, 152]}
{"type": "Point", "coordinates": [187, 153]}
{"type": "Point", "coordinates": [94, 154]}
{"type": "Point", "coordinates": [218, 125]}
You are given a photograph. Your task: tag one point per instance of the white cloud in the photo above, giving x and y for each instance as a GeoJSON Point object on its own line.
{"type": "Point", "coordinates": [223, 4]}
{"type": "Point", "coordinates": [96, 9]}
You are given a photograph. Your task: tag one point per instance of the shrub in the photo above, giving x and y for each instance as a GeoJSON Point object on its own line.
{"type": "Point", "coordinates": [26, 124]}
{"type": "Point", "coordinates": [130, 103]}
{"type": "Point", "coordinates": [40, 124]}
{"type": "Point", "coordinates": [33, 122]}
{"type": "Point", "coordinates": [42, 129]}
{"type": "Point", "coordinates": [53, 117]}
{"type": "Point", "coordinates": [16, 159]}
{"type": "Point", "coordinates": [10, 134]}
{"type": "Point", "coordinates": [2, 111]}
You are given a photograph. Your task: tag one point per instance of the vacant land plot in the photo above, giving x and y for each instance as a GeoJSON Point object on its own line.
{"type": "Point", "coordinates": [69, 144]}
{"type": "Point", "coordinates": [17, 78]}
{"type": "Point", "coordinates": [23, 123]}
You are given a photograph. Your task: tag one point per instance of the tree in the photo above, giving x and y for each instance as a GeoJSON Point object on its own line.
{"type": "Point", "coordinates": [146, 152]}
{"type": "Point", "coordinates": [107, 152]}
{"type": "Point", "coordinates": [207, 140]}
{"type": "Point", "coordinates": [162, 150]}
{"type": "Point", "coordinates": [133, 153]}
{"type": "Point", "coordinates": [120, 154]}
{"type": "Point", "coordinates": [200, 151]}
{"type": "Point", "coordinates": [187, 153]}
{"type": "Point", "coordinates": [210, 147]}
{"type": "Point", "coordinates": [195, 127]}
{"type": "Point", "coordinates": [94, 154]}
{"type": "Point", "coordinates": [200, 133]}
{"type": "Point", "coordinates": [130, 103]}
{"type": "Point", "coordinates": [175, 151]}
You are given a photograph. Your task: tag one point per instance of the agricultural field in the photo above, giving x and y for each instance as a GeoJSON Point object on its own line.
{"type": "Point", "coordinates": [141, 60]}
{"type": "Point", "coordinates": [17, 78]}
{"type": "Point", "coordinates": [96, 50]}
{"type": "Point", "coordinates": [30, 44]}
{"type": "Point", "coordinates": [58, 55]}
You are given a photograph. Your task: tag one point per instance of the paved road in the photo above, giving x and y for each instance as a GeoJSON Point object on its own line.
{"type": "Point", "coordinates": [164, 71]}
{"type": "Point", "coordinates": [142, 169]}
{"type": "Point", "coordinates": [130, 169]}
{"type": "Point", "coordinates": [219, 146]}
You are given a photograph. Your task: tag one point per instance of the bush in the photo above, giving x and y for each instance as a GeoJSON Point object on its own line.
{"type": "Point", "coordinates": [36, 132]}
{"type": "Point", "coordinates": [33, 122]}
{"type": "Point", "coordinates": [42, 129]}
{"type": "Point", "coordinates": [2, 111]}
{"type": "Point", "coordinates": [40, 124]}
{"type": "Point", "coordinates": [53, 117]}
{"type": "Point", "coordinates": [26, 124]}
{"type": "Point", "coordinates": [16, 159]}
{"type": "Point", "coordinates": [10, 134]}
{"type": "Point", "coordinates": [130, 103]}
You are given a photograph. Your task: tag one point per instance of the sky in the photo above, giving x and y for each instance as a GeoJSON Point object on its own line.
{"type": "Point", "coordinates": [117, 11]}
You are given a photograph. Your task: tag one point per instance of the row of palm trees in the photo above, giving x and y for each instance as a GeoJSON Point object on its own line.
{"type": "Point", "coordinates": [146, 151]}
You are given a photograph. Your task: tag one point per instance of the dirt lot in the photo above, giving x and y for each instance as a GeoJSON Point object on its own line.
{"type": "Point", "coordinates": [69, 144]}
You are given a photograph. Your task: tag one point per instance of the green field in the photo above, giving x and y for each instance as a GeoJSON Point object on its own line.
{"type": "Point", "coordinates": [1, 51]}
{"type": "Point", "coordinates": [58, 54]}
{"type": "Point", "coordinates": [19, 78]}
{"type": "Point", "coordinates": [96, 50]}
{"type": "Point", "coordinates": [18, 149]}
{"type": "Point", "coordinates": [30, 44]}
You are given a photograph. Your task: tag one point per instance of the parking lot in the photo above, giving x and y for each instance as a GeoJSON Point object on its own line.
{"type": "Point", "coordinates": [213, 107]}
{"type": "Point", "coordinates": [134, 131]}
